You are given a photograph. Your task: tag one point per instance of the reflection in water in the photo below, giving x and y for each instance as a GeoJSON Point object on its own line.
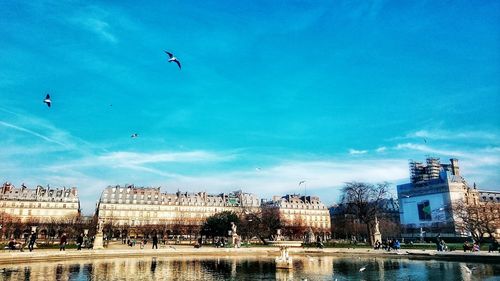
{"type": "Point", "coordinates": [247, 268]}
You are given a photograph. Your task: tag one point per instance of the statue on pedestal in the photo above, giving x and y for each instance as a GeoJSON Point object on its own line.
{"type": "Point", "coordinates": [233, 228]}
{"type": "Point", "coordinates": [377, 230]}
{"type": "Point", "coordinates": [98, 239]}
{"type": "Point", "coordinates": [377, 237]}
{"type": "Point", "coordinates": [234, 235]}
{"type": "Point", "coordinates": [278, 235]}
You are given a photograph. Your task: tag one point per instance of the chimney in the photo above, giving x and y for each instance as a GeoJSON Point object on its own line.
{"type": "Point", "coordinates": [454, 167]}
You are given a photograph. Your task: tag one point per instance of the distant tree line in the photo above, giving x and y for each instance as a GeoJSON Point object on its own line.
{"type": "Point", "coordinates": [48, 231]}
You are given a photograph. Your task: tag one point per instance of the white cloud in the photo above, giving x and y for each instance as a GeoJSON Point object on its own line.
{"type": "Point", "coordinates": [33, 133]}
{"type": "Point", "coordinates": [429, 149]}
{"type": "Point", "coordinates": [357, 152]}
{"type": "Point", "coordinates": [144, 158]}
{"type": "Point", "coordinates": [324, 177]}
{"type": "Point", "coordinates": [30, 125]}
{"type": "Point", "coordinates": [97, 20]}
{"type": "Point", "coordinates": [443, 134]}
{"type": "Point", "coordinates": [99, 27]}
{"type": "Point", "coordinates": [381, 149]}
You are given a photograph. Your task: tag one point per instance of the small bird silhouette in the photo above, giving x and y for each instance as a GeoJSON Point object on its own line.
{"type": "Point", "coordinates": [172, 58]}
{"type": "Point", "coordinates": [47, 100]}
{"type": "Point", "coordinates": [301, 182]}
{"type": "Point", "coordinates": [134, 135]}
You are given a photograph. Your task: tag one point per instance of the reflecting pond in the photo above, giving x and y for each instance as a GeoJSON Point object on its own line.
{"type": "Point", "coordinates": [245, 268]}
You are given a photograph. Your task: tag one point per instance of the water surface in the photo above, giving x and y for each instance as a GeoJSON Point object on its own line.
{"type": "Point", "coordinates": [245, 268]}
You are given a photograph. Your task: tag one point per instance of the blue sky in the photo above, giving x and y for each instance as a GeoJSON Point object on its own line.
{"type": "Point", "coordinates": [270, 93]}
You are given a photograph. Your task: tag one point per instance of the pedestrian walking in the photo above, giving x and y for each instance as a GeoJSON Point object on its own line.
{"type": "Point", "coordinates": [155, 242]}
{"type": "Point", "coordinates": [32, 240]}
{"type": "Point", "coordinates": [79, 242]}
{"type": "Point", "coordinates": [63, 241]}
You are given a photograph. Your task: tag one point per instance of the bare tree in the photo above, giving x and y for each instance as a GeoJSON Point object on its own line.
{"type": "Point", "coordinates": [480, 220]}
{"type": "Point", "coordinates": [262, 223]}
{"type": "Point", "coordinates": [363, 201]}
{"type": "Point", "coordinates": [7, 222]}
{"type": "Point", "coordinates": [295, 229]}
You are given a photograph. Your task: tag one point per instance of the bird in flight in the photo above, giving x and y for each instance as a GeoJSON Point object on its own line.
{"type": "Point", "coordinates": [363, 268]}
{"type": "Point", "coordinates": [173, 59]}
{"type": "Point", "coordinates": [47, 100]}
{"type": "Point", "coordinates": [301, 182]}
{"type": "Point", "coordinates": [134, 135]}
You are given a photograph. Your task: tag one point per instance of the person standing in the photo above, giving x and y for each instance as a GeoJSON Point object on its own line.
{"type": "Point", "coordinates": [438, 242]}
{"type": "Point", "coordinates": [63, 241]}
{"type": "Point", "coordinates": [32, 240]}
{"type": "Point", "coordinates": [79, 242]}
{"type": "Point", "coordinates": [155, 241]}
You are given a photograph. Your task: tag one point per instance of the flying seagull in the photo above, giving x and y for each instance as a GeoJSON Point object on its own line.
{"type": "Point", "coordinates": [173, 59]}
{"type": "Point", "coordinates": [47, 100]}
{"type": "Point", "coordinates": [134, 135]}
{"type": "Point", "coordinates": [362, 269]}
{"type": "Point", "coordinates": [301, 182]}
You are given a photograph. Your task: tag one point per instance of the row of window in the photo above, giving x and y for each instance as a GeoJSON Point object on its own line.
{"type": "Point", "coordinates": [149, 202]}
{"type": "Point", "coordinates": [135, 197]}
{"type": "Point", "coordinates": [57, 205]}
{"type": "Point", "coordinates": [39, 212]}
{"type": "Point", "coordinates": [148, 215]}
{"type": "Point", "coordinates": [146, 209]}
{"type": "Point", "coordinates": [311, 218]}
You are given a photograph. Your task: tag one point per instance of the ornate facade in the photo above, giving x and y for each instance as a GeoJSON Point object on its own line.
{"type": "Point", "coordinates": [307, 211]}
{"type": "Point", "coordinates": [39, 204]}
{"type": "Point", "coordinates": [136, 206]}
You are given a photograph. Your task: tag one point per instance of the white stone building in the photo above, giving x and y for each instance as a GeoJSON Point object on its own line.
{"type": "Point", "coordinates": [39, 204]}
{"type": "Point", "coordinates": [308, 212]}
{"type": "Point", "coordinates": [138, 206]}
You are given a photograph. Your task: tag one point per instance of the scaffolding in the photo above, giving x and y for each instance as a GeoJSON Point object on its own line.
{"type": "Point", "coordinates": [416, 171]}
{"type": "Point", "coordinates": [420, 172]}
{"type": "Point", "coordinates": [433, 168]}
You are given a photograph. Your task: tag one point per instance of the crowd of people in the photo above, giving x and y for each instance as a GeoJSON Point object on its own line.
{"type": "Point", "coordinates": [30, 242]}
{"type": "Point", "coordinates": [82, 241]}
{"type": "Point", "coordinates": [388, 245]}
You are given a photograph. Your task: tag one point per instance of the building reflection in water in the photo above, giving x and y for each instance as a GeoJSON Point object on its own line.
{"type": "Point", "coordinates": [241, 268]}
